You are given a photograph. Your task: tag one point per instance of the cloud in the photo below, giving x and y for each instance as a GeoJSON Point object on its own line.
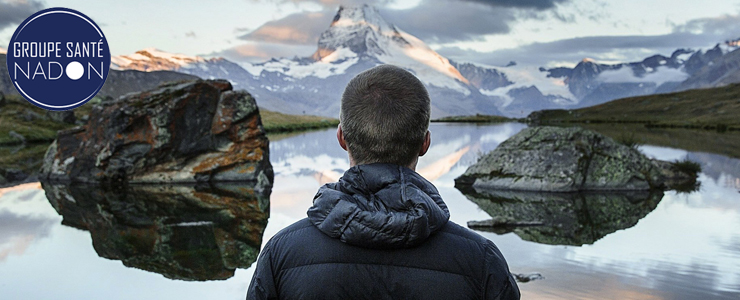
{"type": "Point", "coordinates": [659, 76]}
{"type": "Point", "coordinates": [333, 4]}
{"type": "Point", "coordinates": [18, 232]}
{"type": "Point", "coordinates": [295, 29]}
{"type": "Point", "coordinates": [431, 21]}
{"type": "Point", "coordinates": [725, 26]}
{"type": "Point", "coordinates": [443, 21]}
{"type": "Point", "coordinates": [14, 12]}
{"type": "Point", "coordinates": [604, 48]}
{"type": "Point", "coordinates": [526, 4]}
{"type": "Point", "coordinates": [260, 52]}
{"type": "Point", "coordinates": [536, 4]}
{"type": "Point", "coordinates": [447, 21]}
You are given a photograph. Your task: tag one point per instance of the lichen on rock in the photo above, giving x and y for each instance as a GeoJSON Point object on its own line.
{"type": "Point", "coordinates": [185, 132]}
{"type": "Point", "coordinates": [556, 159]}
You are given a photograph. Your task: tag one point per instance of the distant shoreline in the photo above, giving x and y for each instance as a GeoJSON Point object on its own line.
{"type": "Point", "coordinates": [475, 119]}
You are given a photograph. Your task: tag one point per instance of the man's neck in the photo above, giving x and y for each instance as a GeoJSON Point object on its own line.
{"type": "Point", "coordinates": [412, 166]}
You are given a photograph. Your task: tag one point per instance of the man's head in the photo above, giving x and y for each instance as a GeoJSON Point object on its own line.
{"type": "Point", "coordinates": [385, 117]}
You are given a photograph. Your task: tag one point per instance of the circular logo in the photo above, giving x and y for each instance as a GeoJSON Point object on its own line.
{"type": "Point", "coordinates": [58, 59]}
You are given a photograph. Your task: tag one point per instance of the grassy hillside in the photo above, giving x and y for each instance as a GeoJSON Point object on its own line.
{"type": "Point", "coordinates": [714, 108]}
{"type": "Point", "coordinates": [24, 119]}
{"type": "Point", "coordinates": [695, 140]}
{"type": "Point", "coordinates": [279, 122]}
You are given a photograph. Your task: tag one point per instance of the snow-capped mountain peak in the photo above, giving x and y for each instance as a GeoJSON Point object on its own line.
{"type": "Point", "coordinates": [361, 29]}
{"type": "Point", "coordinates": [364, 15]}
{"type": "Point", "coordinates": [364, 32]}
{"type": "Point", "coordinates": [152, 59]}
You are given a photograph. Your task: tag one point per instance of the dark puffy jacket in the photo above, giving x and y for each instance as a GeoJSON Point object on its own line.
{"type": "Point", "coordinates": [381, 232]}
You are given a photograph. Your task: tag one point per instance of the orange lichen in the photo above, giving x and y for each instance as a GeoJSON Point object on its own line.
{"type": "Point", "coordinates": [240, 155]}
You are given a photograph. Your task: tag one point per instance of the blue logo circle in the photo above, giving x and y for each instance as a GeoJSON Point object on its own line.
{"type": "Point", "coordinates": [58, 59]}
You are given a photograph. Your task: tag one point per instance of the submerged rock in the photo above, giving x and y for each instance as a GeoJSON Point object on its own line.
{"type": "Point", "coordinates": [528, 277]}
{"type": "Point", "coordinates": [196, 131]}
{"type": "Point", "coordinates": [182, 232]}
{"type": "Point", "coordinates": [570, 159]}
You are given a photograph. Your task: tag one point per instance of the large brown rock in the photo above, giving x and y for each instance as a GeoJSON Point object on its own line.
{"type": "Point", "coordinates": [195, 131]}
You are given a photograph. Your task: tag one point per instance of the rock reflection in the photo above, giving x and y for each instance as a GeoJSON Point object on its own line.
{"type": "Point", "coordinates": [182, 232]}
{"type": "Point", "coordinates": [561, 218]}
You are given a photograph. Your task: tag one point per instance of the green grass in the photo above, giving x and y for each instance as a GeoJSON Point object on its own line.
{"type": "Point", "coordinates": [21, 117]}
{"type": "Point", "coordinates": [688, 166]}
{"type": "Point", "coordinates": [629, 139]}
{"type": "Point", "coordinates": [275, 122]}
{"type": "Point", "coordinates": [714, 108]}
{"type": "Point", "coordinates": [478, 118]}
{"type": "Point", "coordinates": [691, 168]}
{"type": "Point", "coordinates": [26, 158]}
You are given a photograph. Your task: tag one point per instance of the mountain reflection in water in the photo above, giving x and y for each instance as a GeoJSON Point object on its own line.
{"type": "Point", "coordinates": [561, 218]}
{"type": "Point", "coordinates": [182, 232]}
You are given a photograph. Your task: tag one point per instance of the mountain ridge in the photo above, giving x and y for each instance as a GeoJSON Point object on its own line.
{"type": "Point", "coordinates": [359, 38]}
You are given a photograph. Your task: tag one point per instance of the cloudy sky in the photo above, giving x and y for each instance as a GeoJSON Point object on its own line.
{"type": "Point", "coordinates": [537, 32]}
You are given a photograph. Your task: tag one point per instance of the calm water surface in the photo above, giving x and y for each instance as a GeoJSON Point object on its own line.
{"type": "Point", "coordinates": [678, 246]}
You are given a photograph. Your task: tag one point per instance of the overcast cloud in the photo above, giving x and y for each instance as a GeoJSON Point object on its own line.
{"type": "Point", "coordinates": [295, 29]}
{"type": "Point", "coordinates": [538, 4]}
{"type": "Point", "coordinates": [695, 34]}
{"type": "Point", "coordinates": [434, 21]}
{"type": "Point", "coordinates": [14, 12]}
{"type": "Point", "coordinates": [260, 52]}
{"type": "Point", "coordinates": [445, 21]}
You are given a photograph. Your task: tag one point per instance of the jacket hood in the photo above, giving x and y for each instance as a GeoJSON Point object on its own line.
{"type": "Point", "coordinates": [379, 206]}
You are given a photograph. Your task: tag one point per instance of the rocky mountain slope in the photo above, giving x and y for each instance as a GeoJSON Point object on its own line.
{"type": "Point", "coordinates": [595, 83]}
{"type": "Point", "coordinates": [720, 71]}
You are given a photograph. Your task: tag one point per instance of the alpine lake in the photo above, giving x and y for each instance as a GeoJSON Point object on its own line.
{"type": "Point", "coordinates": [196, 242]}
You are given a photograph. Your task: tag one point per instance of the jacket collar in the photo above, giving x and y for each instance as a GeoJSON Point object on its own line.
{"type": "Point", "coordinates": [379, 206]}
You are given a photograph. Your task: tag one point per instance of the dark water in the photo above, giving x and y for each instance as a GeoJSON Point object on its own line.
{"type": "Point", "coordinates": [161, 242]}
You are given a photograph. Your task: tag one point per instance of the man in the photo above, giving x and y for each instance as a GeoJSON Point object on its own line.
{"type": "Point", "coordinates": [382, 231]}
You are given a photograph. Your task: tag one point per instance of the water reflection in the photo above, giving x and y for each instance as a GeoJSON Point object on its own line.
{"type": "Point", "coordinates": [720, 168]}
{"type": "Point", "coordinates": [182, 232]}
{"type": "Point", "coordinates": [561, 218]}
{"type": "Point", "coordinates": [686, 248]}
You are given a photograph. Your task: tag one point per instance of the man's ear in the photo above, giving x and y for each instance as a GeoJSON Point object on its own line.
{"type": "Point", "coordinates": [425, 145]}
{"type": "Point", "coordinates": [340, 137]}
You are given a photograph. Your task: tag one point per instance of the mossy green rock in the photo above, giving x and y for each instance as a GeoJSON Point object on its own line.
{"type": "Point", "coordinates": [564, 160]}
